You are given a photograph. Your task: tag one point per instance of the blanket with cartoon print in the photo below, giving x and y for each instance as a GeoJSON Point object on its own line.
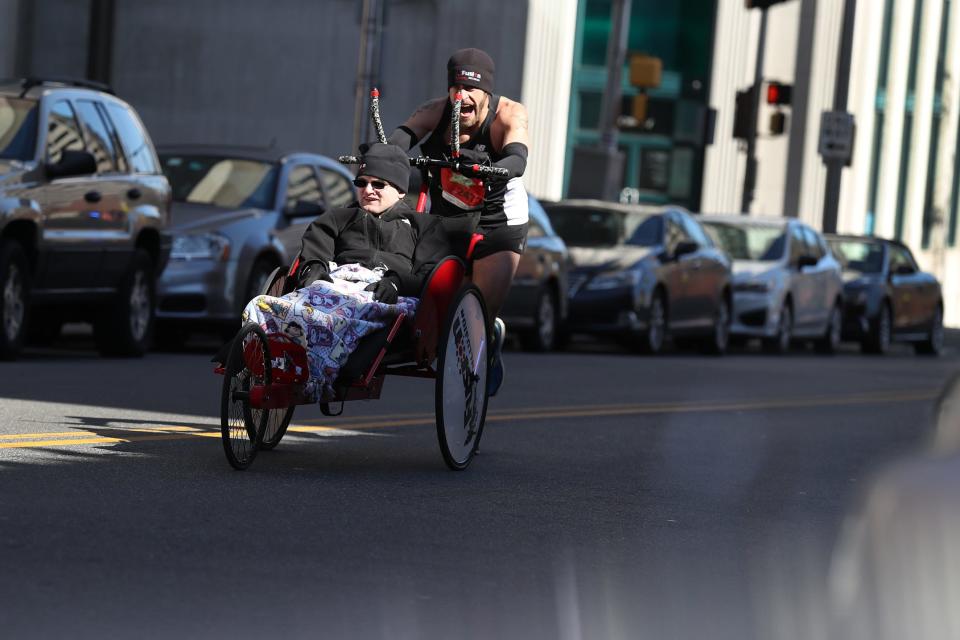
{"type": "Point", "coordinates": [328, 319]}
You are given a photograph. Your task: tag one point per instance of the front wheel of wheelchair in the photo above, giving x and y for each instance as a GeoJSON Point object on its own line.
{"type": "Point", "coordinates": [277, 422]}
{"type": "Point", "coordinates": [247, 370]}
{"type": "Point", "coordinates": [461, 391]}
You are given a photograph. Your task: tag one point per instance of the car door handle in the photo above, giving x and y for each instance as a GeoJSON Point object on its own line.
{"type": "Point", "coordinates": [92, 196]}
{"type": "Point", "coordinates": [134, 194]}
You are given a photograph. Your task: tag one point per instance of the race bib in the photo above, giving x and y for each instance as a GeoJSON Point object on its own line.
{"type": "Point", "coordinates": [460, 190]}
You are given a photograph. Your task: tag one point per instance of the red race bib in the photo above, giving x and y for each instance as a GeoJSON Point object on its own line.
{"type": "Point", "coordinates": [458, 189]}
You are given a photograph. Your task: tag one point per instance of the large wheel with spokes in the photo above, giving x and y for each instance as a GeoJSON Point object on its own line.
{"type": "Point", "coordinates": [276, 426]}
{"type": "Point", "coordinates": [247, 369]}
{"type": "Point", "coordinates": [461, 391]}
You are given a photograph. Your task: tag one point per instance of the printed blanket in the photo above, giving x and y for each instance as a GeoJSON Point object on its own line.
{"type": "Point", "coordinates": [328, 319]}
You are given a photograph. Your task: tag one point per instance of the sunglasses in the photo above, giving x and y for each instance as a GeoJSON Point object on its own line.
{"type": "Point", "coordinates": [360, 183]}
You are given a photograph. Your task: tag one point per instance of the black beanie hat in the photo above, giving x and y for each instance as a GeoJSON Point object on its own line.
{"type": "Point", "coordinates": [387, 162]}
{"type": "Point", "coordinates": [471, 68]}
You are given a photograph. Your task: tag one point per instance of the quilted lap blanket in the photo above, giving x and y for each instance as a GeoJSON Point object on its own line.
{"type": "Point", "coordinates": [328, 319]}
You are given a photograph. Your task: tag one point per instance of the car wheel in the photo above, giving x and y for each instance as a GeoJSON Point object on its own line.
{"type": "Point", "coordinates": [719, 338]}
{"type": "Point", "coordinates": [14, 291]}
{"type": "Point", "coordinates": [831, 338]}
{"type": "Point", "coordinates": [543, 337]}
{"type": "Point", "coordinates": [877, 341]}
{"type": "Point", "coordinates": [780, 343]}
{"type": "Point", "coordinates": [652, 339]}
{"type": "Point", "coordinates": [125, 327]}
{"type": "Point", "coordinates": [932, 345]}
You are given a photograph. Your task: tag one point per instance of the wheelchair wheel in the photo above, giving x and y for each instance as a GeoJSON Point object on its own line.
{"type": "Point", "coordinates": [241, 426]}
{"type": "Point", "coordinates": [277, 422]}
{"type": "Point", "coordinates": [461, 391]}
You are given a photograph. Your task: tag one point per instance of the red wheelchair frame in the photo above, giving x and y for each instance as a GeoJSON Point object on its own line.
{"type": "Point", "coordinates": [273, 370]}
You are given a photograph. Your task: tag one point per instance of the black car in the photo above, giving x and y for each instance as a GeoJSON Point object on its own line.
{"type": "Point", "coordinates": [886, 295]}
{"type": "Point", "coordinates": [536, 307]}
{"type": "Point", "coordinates": [643, 274]}
{"type": "Point", "coordinates": [83, 208]}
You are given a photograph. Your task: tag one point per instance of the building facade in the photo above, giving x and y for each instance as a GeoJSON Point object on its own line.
{"type": "Point", "coordinates": [902, 180]}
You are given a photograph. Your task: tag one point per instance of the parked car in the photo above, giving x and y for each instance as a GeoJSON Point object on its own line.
{"type": "Point", "coordinates": [238, 213]}
{"type": "Point", "coordinates": [536, 307]}
{"type": "Point", "coordinates": [886, 296]}
{"type": "Point", "coordinates": [83, 205]}
{"type": "Point", "coordinates": [786, 282]}
{"type": "Point", "coordinates": [643, 274]}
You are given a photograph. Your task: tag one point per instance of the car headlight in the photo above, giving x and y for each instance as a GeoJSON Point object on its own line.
{"type": "Point", "coordinates": [203, 246]}
{"type": "Point", "coordinates": [616, 280]}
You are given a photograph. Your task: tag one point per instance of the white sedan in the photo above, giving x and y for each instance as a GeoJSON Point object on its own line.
{"type": "Point", "coordinates": [787, 284]}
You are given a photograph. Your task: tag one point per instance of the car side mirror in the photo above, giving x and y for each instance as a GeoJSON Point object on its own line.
{"type": "Point", "coordinates": [303, 208]}
{"type": "Point", "coordinates": [685, 247]}
{"type": "Point", "coordinates": [806, 261]}
{"type": "Point", "coordinates": [72, 163]}
{"type": "Point", "coordinates": [903, 270]}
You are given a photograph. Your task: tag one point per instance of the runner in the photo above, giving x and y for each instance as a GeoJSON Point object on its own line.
{"type": "Point", "coordinates": [492, 130]}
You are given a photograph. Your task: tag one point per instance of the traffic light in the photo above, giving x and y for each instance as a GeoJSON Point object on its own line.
{"type": "Point", "coordinates": [743, 115]}
{"type": "Point", "coordinates": [779, 93]}
{"type": "Point", "coordinates": [778, 123]}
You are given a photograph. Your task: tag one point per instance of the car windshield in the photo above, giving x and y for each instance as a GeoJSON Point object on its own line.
{"type": "Point", "coordinates": [594, 227]}
{"type": "Point", "coordinates": [858, 255]}
{"type": "Point", "coordinates": [18, 128]}
{"type": "Point", "coordinates": [748, 242]}
{"type": "Point", "coordinates": [221, 182]}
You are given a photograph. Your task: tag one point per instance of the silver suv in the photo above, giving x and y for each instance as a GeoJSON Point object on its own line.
{"type": "Point", "coordinates": [82, 207]}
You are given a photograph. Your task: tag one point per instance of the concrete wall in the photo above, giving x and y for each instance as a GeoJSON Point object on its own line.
{"type": "Point", "coordinates": [254, 71]}
{"type": "Point", "coordinates": [9, 10]}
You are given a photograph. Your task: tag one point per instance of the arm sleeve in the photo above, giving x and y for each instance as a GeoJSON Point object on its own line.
{"type": "Point", "coordinates": [317, 246]}
{"type": "Point", "coordinates": [403, 137]}
{"type": "Point", "coordinates": [514, 160]}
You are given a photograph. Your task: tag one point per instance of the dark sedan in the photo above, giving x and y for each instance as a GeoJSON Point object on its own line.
{"type": "Point", "coordinates": [887, 297]}
{"type": "Point", "coordinates": [643, 275]}
{"type": "Point", "coordinates": [536, 306]}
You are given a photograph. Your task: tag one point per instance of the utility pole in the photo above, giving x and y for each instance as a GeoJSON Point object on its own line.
{"type": "Point", "coordinates": [597, 171]}
{"type": "Point", "coordinates": [100, 41]}
{"type": "Point", "coordinates": [371, 32]}
{"type": "Point", "coordinates": [610, 105]}
{"type": "Point", "coordinates": [831, 199]}
{"type": "Point", "coordinates": [750, 176]}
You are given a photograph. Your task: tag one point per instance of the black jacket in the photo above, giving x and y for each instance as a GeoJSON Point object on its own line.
{"type": "Point", "coordinates": [407, 243]}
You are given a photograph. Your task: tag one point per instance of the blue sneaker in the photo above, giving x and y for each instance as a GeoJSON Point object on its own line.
{"type": "Point", "coordinates": [495, 370]}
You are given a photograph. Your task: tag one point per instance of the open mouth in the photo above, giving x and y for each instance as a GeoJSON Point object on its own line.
{"type": "Point", "coordinates": [467, 109]}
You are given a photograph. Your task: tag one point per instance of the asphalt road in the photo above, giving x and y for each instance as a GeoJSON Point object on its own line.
{"type": "Point", "coordinates": [615, 496]}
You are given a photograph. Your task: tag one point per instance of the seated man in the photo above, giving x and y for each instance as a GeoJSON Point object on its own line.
{"type": "Point", "coordinates": [359, 267]}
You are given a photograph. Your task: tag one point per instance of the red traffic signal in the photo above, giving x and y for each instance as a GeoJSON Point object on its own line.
{"type": "Point", "coordinates": [778, 93]}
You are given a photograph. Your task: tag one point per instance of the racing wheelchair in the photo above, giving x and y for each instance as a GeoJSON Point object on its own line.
{"type": "Point", "coordinates": [266, 374]}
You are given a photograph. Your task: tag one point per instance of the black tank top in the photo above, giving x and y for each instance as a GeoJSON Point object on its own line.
{"type": "Point", "coordinates": [436, 146]}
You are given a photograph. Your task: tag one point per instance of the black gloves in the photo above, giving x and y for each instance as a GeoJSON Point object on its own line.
{"type": "Point", "coordinates": [311, 271]}
{"type": "Point", "coordinates": [385, 290]}
{"type": "Point", "coordinates": [472, 156]}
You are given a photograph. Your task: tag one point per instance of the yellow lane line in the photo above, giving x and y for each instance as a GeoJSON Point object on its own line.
{"type": "Point", "coordinates": [68, 438]}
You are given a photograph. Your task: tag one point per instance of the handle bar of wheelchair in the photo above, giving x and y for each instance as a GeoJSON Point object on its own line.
{"type": "Point", "coordinates": [421, 162]}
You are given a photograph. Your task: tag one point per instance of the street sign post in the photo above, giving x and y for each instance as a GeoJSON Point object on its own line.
{"type": "Point", "coordinates": [837, 130]}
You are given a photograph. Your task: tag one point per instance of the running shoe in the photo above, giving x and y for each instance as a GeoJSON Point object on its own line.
{"type": "Point", "coordinates": [495, 371]}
